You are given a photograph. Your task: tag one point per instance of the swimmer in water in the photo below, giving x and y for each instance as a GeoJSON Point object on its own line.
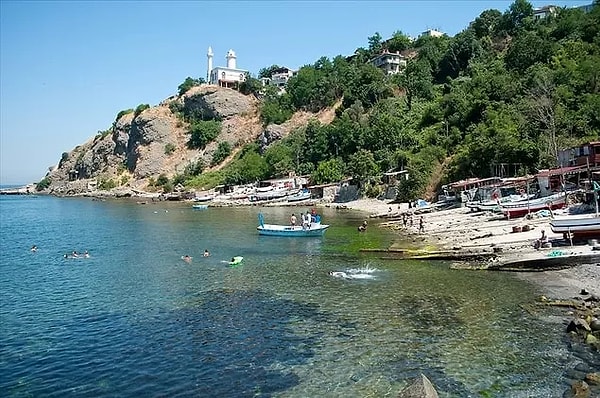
{"type": "Point", "coordinates": [206, 253]}
{"type": "Point", "coordinates": [338, 274]}
{"type": "Point", "coordinates": [186, 258]}
{"type": "Point", "coordinates": [34, 248]}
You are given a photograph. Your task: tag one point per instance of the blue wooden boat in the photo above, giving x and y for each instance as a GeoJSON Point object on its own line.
{"type": "Point", "coordinates": [315, 229]}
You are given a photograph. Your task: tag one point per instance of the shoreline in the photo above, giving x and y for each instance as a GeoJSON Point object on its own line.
{"type": "Point", "coordinates": [459, 227]}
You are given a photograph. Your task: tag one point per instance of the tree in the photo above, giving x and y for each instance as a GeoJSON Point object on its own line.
{"type": "Point", "coordinates": [331, 170]}
{"type": "Point", "coordinates": [223, 150]}
{"type": "Point", "coordinates": [375, 43]}
{"type": "Point", "coordinates": [416, 81]}
{"type": "Point", "coordinates": [268, 72]}
{"type": "Point", "coordinates": [398, 42]}
{"type": "Point", "coordinates": [487, 23]}
{"type": "Point", "coordinates": [188, 83]}
{"type": "Point", "coordinates": [516, 16]}
{"type": "Point", "coordinates": [203, 132]}
{"type": "Point", "coordinates": [362, 166]}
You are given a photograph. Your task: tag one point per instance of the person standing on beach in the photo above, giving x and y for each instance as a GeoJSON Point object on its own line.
{"type": "Point", "coordinates": [421, 226]}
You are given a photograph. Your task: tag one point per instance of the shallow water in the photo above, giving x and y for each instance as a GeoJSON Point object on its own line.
{"type": "Point", "coordinates": [135, 320]}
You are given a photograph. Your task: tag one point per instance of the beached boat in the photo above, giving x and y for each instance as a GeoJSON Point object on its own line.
{"type": "Point", "coordinates": [522, 208]}
{"type": "Point", "coordinates": [579, 225]}
{"type": "Point", "coordinates": [204, 198]}
{"type": "Point", "coordinates": [315, 229]}
{"type": "Point", "coordinates": [302, 195]}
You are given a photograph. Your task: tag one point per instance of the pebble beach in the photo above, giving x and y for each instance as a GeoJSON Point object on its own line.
{"type": "Point", "coordinates": [459, 227]}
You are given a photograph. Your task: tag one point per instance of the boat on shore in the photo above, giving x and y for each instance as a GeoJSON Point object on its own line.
{"type": "Point", "coordinates": [580, 225]}
{"type": "Point", "coordinates": [522, 208]}
{"type": "Point", "coordinates": [314, 229]}
{"type": "Point", "coordinates": [199, 207]}
{"type": "Point", "coordinates": [302, 195]}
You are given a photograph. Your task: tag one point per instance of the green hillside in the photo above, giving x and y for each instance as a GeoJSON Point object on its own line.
{"type": "Point", "coordinates": [508, 89]}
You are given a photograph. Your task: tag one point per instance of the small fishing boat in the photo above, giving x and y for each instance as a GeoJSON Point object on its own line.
{"type": "Point", "coordinates": [199, 207]}
{"type": "Point", "coordinates": [302, 195]}
{"type": "Point", "coordinates": [580, 225]}
{"type": "Point", "coordinates": [522, 208]}
{"type": "Point", "coordinates": [314, 229]}
{"type": "Point", "coordinates": [204, 198]}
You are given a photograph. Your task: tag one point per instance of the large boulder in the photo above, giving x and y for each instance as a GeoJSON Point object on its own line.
{"type": "Point", "coordinates": [420, 387]}
{"type": "Point", "coordinates": [212, 102]}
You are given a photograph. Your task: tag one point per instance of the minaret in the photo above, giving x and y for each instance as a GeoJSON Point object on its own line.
{"type": "Point", "coordinates": [209, 55]}
{"type": "Point", "coordinates": [231, 59]}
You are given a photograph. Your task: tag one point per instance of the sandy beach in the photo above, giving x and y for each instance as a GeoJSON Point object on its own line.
{"type": "Point", "coordinates": [459, 227]}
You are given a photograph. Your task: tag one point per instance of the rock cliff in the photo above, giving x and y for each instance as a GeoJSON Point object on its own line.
{"type": "Point", "coordinates": [141, 146]}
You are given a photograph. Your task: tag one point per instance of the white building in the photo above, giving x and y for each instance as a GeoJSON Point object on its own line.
{"type": "Point", "coordinates": [390, 63]}
{"type": "Point", "coordinates": [229, 76]}
{"type": "Point", "coordinates": [432, 33]}
{"type": "Point", "coordinates": [545, 11]}
{"type": "Point", "coordinates": [279, 77]}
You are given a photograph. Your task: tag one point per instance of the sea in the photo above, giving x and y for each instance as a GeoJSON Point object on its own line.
{"type": "Point", "coordinates": [135, 320]}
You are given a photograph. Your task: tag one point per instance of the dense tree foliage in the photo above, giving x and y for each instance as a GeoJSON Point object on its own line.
{"type": "Point", "coordinates": [508, 89]}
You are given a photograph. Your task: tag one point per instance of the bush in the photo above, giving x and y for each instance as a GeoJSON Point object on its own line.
{"type": "Point", "coordinates": [223, 150]}
{"type": "Point", "coordinates": [169, 148]}
{"type": "Point", "coordinates": [162, 180]}
{"type": "Point", "coordinates": [43, 184]}
{"type": "Point", "coordinates": [106, 185]}
{"type": "Point", "coordinates": [194, 168]}
{"type": "Point", "coordinates": [123, 113]}
{"type": "Point", "coordinates": [203, 132]}
{"type": "Point", "coordinates": [188, 83]}
{"type": "Point", "coordinates": [140, 108]}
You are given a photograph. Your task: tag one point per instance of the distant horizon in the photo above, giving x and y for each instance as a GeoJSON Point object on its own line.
{"type": "Point", "coordinates": [86, 61]}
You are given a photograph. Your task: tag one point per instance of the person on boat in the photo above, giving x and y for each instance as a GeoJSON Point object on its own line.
{"type": "Point", "coordinates": [293, 220]}
{"type": "Point", "coordinates": [206, 253]}
{"type": "Point", "coordinates": [363, 226]}
{"type": "Point", "coordinates": [306, 220]}
{"type": "Point", "coordinates": [34, 248]}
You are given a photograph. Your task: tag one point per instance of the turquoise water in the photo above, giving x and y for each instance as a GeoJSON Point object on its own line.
{"type": "Point", "coordinates": [135, 320]}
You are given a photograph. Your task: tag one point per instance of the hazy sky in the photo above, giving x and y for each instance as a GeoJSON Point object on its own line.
{"type": "Point", "coordinates": [68, 67]}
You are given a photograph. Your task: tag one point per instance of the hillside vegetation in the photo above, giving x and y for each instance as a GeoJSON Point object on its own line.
{"type": "Point", "coordinates": [507, 90]}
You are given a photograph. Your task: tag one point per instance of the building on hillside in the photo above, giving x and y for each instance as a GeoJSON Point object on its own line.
{"type": "Point", "coordinates": [432, 33]}
{"type": "Point", "coordinates": [584, 155]}
{"type": "Point", "coordinates": [279, 78]}
{"type": "Point", "coordinates": [390, 63]}
{"type": "Point", "coordinates": [229, 76]}
{"type": "Point", "coordinates": [545, 11]}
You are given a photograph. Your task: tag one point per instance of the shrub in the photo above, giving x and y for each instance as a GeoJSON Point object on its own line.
{"type": "Point", "coordinates": [223, 150]}
{"type": "Point", "coordinates": [43, 184]}
{"type": "Point", "coordinates": [203, 132]}
{"type": "Point", "coordinates": [194, 168]}
{"type": "Point", "coordinates": [162, 180]}
{"type": "Point", "coordinates": [106, 185]}
{"type": "Point", "coordinates": [188, 83]}
{"type": "Point", "coordinates": [124, 179]}
{"type": "Point", "coordinates": [123, 113]}
{"type": "Point", "coordinates": [140, 108]}
{"type": "Point", "coordinates": [169, 148]}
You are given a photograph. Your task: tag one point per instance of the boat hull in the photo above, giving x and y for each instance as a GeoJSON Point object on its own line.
{"type": "Point", "coordinates": [580, 225]}
{"type": "Point", "coordinates": [522, 209]}
{"type": "Point", "coordinates": [296, 231]}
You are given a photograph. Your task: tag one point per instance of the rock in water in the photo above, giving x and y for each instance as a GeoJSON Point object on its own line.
{"type": "Point", "coordinates": [420, 387]}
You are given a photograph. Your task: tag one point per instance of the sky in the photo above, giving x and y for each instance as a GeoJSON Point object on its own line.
{"type": "Point", "coordinates": [68, 67]}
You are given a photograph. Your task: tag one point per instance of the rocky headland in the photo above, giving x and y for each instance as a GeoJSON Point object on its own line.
{"type": "Point", "coordinates": [143, 144]}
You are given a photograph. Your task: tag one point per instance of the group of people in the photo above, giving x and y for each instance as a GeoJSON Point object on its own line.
{"type": "Point", "coordinates": [408, 219]}
{"type": "Point", "coordinates": [188, 259]}
{"type": "Point", "coordinates": [307, 219]}
{"type": "Point", "coordinates": [75, 254]}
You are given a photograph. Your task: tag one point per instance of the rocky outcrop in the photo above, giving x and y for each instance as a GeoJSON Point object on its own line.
{"type": "Point", "coordinates": [420, 387]}
{"type": "Point", "coordinates": [212, 102]}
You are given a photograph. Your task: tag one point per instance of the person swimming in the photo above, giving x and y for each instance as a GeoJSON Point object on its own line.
{"type": "Point", "coordinates": [206, 253]}
{"type": "Point", "coordinates": [34, 248]}
{"type": "Point", "coordinates": [338, 274]}
{"type": "Point", "coordinates": [187, 258]}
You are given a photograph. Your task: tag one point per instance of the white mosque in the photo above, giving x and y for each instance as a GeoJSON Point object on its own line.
{"type": "Point", "coordinates": [229, 76]}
